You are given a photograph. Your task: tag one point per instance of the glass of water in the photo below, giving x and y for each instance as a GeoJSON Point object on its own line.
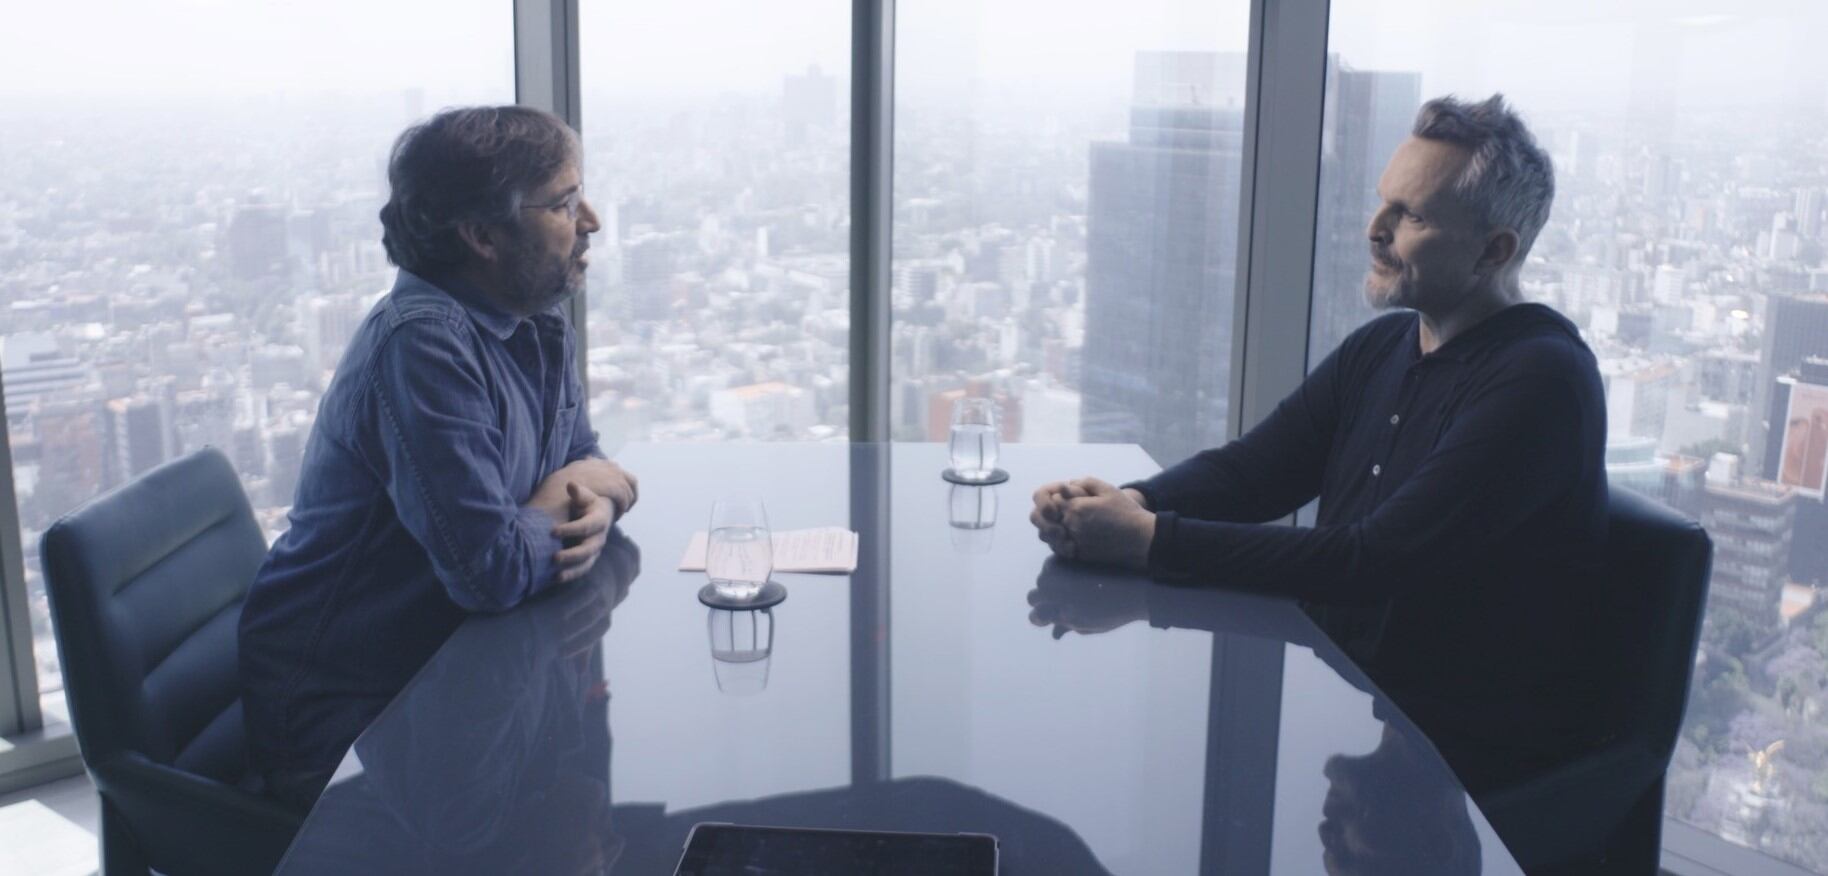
{"type": "Point", "coordinates": [974, 438]}
{"type": "Point", "coordinates": [739, 552]}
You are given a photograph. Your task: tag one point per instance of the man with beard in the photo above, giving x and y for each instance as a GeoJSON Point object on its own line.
{"type": "Point", "coordinates": [1456, 448]}
{"type": "Point", "coordinates": [451, 468]}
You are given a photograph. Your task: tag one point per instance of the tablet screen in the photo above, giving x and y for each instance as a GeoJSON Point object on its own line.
{"type": "Point", "coordinates": [735, 850]}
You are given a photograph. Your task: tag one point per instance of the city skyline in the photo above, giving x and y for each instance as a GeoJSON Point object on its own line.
{"type": "Point", "coordinates": [196, 289]}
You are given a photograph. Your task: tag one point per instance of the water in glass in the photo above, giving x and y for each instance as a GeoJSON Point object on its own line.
{"type": "Point", "coordinates": [974, 438]}
{"type": "Point", "coordinates": [739, 551]}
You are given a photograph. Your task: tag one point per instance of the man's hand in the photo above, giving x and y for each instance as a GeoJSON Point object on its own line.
{"type": "Point", "coordinates": [1108, 525]}
{"type": "Point", "coordinates": [606, 479]}
{"type": "Point", "coordinates": [584, 534]}
{"type": "Point", "coordinates": [1049, 516]}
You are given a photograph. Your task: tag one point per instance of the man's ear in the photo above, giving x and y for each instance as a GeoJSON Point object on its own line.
{"type": "Point", "coordinates": [479, 238]}
{"type": "Point", "coordinates": [1500, 250]}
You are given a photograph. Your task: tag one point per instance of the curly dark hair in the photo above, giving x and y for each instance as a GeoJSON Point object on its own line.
{"type": "Point", "coordinates": [469, 164]}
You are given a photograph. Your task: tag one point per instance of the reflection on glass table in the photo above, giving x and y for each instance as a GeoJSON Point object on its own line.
{"type": "Point", "coordinates": [972, 516]}
{"type": "Point", "coordinates": [742, 643]}
{"type": "Point", "coordinates": [912, 695]}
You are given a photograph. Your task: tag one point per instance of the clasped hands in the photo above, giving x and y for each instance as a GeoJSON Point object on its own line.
{"type": "Point", "coordinates": [584, 499]}
{"type": "Point", "coordinates": [1090, 520]}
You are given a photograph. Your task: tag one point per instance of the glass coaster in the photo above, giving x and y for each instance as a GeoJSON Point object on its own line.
{"type": "Point", "coordinates": [772, 593]}
{"type": "Point", "coordinates": [996, 476]}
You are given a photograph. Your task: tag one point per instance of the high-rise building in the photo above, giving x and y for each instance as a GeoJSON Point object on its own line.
{"type": "Point", "coordinates": [205, 418]}
{"type": "Point", "coordinates": [1637, 397]}
{"type": "Point", "coordinates": [326, 325]}
{"type": "Point", "coordinates": [764, 410]}
{"type": "Point", "coordinates": [1751, 521]}
{"type": "Point", "coordinates": [1809, 545]}
{"type": "Point", "coordinates": [36, 369]}
{"type": "Point", "coordinates": [258, 241]}
{"type": "Point", "coordinates": [649, 262]}
{"type": "Point", "coordinates": [139, 436]}
{"type": "Point", "coordinates": [71, 464]}
{"type": "Point", "coordinates": [1369, 113]}
{"type": "Point", "coordinates": [287, 443]}
{"type": "Point", "coordinates": [1161, 256]}
{"type": "Point", "coordinates": [1796, 327]}
{"type": "Point", "coordinates": [808, 101]}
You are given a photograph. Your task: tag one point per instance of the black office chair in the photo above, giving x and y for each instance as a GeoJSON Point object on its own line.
{"type": "Point", "coordinates": [1604, 811]}
{"type": "Point", "coordinates": [146, 585]}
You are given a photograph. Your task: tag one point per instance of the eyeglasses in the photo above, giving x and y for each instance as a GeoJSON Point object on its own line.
{"type": "Point", "coordinates": [569, 204]}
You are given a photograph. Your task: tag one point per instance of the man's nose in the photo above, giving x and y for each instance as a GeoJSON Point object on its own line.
{"type": "Point", "coordinates": [1379, 229]}
{"type": "Point", "coordinates": [587, 218]}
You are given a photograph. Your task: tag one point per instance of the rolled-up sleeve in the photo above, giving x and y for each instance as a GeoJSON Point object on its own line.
{"type": "Point", "coordinates": [442, 463]}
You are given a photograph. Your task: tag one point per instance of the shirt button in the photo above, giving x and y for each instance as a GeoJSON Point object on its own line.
{"type": "Point", "coordinates": [1377, 470]}
{"type": "Point", "coordinates": [1394, 418]}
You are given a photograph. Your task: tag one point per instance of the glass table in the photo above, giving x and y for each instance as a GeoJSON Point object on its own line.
{"type": "Point", "coordinates": [959, 680]}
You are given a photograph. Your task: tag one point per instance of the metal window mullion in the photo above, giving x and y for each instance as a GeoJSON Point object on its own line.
{"type": "Point", "coordinates": [19, 682]}
{"type": "Point", "coordinates": [872, 162]}
{"type": "Point", "coordinates": [1286, 85]}
{"type": "Point", "coordinates": [546, 77]}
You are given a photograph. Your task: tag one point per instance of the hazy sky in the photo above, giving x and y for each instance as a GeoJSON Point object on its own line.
{"type": "Point", "coordinates": [1546, 52]}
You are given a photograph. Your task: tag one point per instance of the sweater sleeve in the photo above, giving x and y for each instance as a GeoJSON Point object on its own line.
{"type": "Point", "coordinates": [1512, 451]}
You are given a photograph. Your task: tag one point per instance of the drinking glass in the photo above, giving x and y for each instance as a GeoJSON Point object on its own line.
{"type": "Point", "coordinates": [974, 438]}
{"type": "Point", "coordinates": [739, 552]}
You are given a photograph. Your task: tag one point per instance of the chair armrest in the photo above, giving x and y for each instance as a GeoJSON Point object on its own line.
{"type": "Point", "coordinates": [186, 823]}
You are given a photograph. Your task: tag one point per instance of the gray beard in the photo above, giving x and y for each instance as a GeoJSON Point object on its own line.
{"type": "Point", "coordinates": [537, 284]}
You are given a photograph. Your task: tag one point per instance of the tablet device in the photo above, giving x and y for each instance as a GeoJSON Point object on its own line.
{"type": "Point", "coordinates": [715, 849]}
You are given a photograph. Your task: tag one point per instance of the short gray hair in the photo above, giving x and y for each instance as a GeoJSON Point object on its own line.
{"type": "Point", "coordinates": [1510, 180]}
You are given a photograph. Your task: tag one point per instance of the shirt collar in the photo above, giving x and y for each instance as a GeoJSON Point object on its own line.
{"type": "Point", "coordinates": [1478, 338]}
{"type": "Point", "coordinates": [497, 322]}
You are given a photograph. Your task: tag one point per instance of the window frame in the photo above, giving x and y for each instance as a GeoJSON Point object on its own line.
{"type": "Point", "coordinates": [1286, 69]}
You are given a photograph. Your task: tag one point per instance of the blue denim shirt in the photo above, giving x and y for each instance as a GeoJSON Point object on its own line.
{"type": "Point", "coordinates": [444, 415]}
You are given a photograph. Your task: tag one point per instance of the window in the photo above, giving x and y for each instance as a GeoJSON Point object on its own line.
{"type": "Point", "coordinates": [1687, 242]}
{"type": "Point", "coordinates": [1065, 219]}
{"type": "Point", "coordinates": [717, 151]}
{"type": "Point", "coordinates": [188, 231]}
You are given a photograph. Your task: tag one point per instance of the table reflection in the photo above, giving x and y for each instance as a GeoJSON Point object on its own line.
{"type": "Point", "coordinates": [1397, 809]}
{"type": "Point", "coordinates": [500, 740]}
{"type": "Point", "coordinates": [972, 517]}
{"type": "Point", "coordinates": [742, 648]}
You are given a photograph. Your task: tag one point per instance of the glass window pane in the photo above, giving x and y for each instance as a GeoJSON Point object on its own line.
{"type": "Point", "coordinates": [188, 231]}
{"type": "Point", "coordinates": [717, 150]}
{"type": "Point", "coordinates": [1066, 206]}
{"type": "Point", "coordinates": [1687, 242]}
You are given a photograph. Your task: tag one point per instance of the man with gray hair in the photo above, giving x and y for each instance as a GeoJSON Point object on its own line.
{"type": "Point", "coordinates": [451, 468]}
{"type": "Point", "coordinates": [1456, 447]}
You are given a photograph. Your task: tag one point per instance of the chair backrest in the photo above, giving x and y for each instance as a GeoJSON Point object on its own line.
{"type": "Point", "coordinates": [145, 585]}
{"type": "Point", "coordinates": [1657, 562]}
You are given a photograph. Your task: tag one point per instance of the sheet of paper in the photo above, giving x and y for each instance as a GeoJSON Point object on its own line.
{"type": "Point", "coordinates": [825, 549]}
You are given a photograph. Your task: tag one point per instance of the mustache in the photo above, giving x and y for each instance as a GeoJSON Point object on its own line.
{"type": "Point", "coordinates": [1384, 259]}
